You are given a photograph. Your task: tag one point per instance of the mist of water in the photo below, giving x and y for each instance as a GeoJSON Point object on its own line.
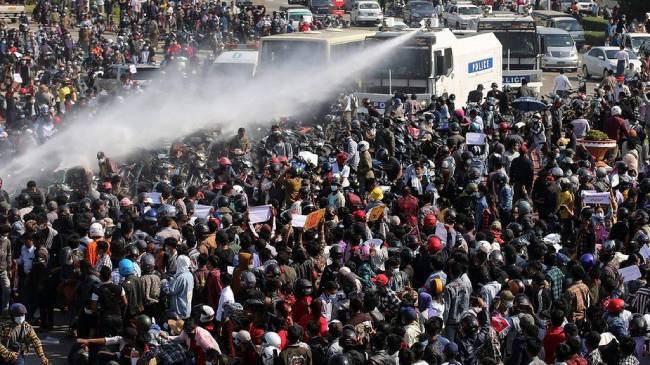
{"type": "Point", "coordinates": [177, 108]}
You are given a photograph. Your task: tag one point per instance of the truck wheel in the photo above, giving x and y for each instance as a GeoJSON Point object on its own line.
{"type": "Point", "coordinates": [585, 73]}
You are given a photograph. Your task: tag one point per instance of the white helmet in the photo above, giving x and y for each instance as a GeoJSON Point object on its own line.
{"type": "Point", "coordinates": [207, 314]}
{"type": "Point", "coordinates": [271, 339]}
{"type": "Point", "coordinates": [363, 146]}
{"type": "Point", "coordinates": [238, 189]}
{"type": "Point", "coordinates": [96, 230]}
{"type": "Point", "coordinates": [616, 110]}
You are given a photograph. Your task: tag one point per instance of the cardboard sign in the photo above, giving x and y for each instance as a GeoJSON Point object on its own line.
{"type": "Point", "coordinates": [630, 273]}
{"type": "Point", "coordinates": [594, 197]}
{"type": "Point", "coordinates": [314, 218]}
{"type": "Point", "coordinates": [298, 220]}
{"type": "Point", "coordinates": [475, 138]}
{"type": "Point", "coordinates": [155, 197]}
{"type": "Point", "coordinates": [376, 213]}
{"type": "Point", "coordinates": [645, 252]}
{"type": "Point", "coordinates": [202, 211]}
{"type": "Point", "coordinates": [260, 213]}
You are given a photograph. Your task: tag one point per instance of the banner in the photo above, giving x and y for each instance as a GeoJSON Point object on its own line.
{"type": "Point", "coordinates": [376, 213]}
{"type": "Point", "coordinates": [314, 218]}
{"type": "Point", "coordinates": [260, 213]}
{"type": "Point", "coordinates": [594, 197]}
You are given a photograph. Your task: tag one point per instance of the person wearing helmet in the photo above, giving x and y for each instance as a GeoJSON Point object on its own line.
{"type": "Point", "coordinates": [617, 317]}
{"type": "Point", "coordinates": [271, 343]}
{"type": "Point", "coordinates": [303, 290]}
{"type": "Point", "coordinates": [244, 264]}
{"type": "Point", "coordinates": [224, 173]}
{"type": "Point", "coordinates": [615, 127]}
{"type": "Point", "coordinates": [18, 337]}
{"type": "Point", "coordinates": [474, 333]}
{"type": "Point", "coordinates": [504, 197]}
{"type": "Point", "coordinates": [385, 139]}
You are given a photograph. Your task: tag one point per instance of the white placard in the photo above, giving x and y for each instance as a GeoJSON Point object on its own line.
{"type": "Point", "coordinates": [260, 213]}
{"type": "Point", "coordinates": [18, 79]}
{"type": "Point", "coordinates": [132, 69]}
{"type": "Point", "coordinates": [629, 273]}
{"type": "Point", "coordinates": [475, 138]}
{"type": "Point", "coordinates": [645, 252]}
{"type": "Point", "coordinates": [230, 269]}
{"type": "Point", "coordinates": [155, 197]}
{"type": "Point", "coordinates": [375, 243]}
{"type": "Point", "coordinates": [298, 220]}
{"type": "Point", "coordinates": [202, 211]}
{"type": "Point", "coordinates": [594, 197]}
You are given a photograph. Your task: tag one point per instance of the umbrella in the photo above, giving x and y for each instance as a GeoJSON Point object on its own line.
{"type": "Point", "coordinates": [528, 104]}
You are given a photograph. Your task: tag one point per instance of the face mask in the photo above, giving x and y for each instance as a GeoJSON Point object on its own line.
{"type": "Point", "coordinates": [19, 320]}
{"type": "Point", "coordinates": [334, 189]}
{"type": "Point", "coordinates": [88, 311]}
{"type": "Point", "coordinates": [509, 304]}
{"type": "Point", "coordinates": [600, 215]}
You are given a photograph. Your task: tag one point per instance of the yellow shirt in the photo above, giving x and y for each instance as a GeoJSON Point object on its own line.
{"type": "Point", "coordinates": [63, 91]}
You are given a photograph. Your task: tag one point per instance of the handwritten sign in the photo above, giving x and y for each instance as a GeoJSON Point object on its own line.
{"type": "Point", "coordinates": [155, 197]}
{"type": "Point", "coordinates": [475, 138]}
{"type": "Point", "coordinates": [314, 218]}
{"type": "Point", "coordinates": [298, 220]}
{"type": "Point", "coordinates": [594, 197]}
{"type": "Point", "coordinates": [202, 211]}
{"type": "Point", "coordinates": [629, 273]}
{"type": "Point", "coordinates": [645, 252]}
{"type": "Point", "coordinates": [260, 213]}
{"type": "Point", "coordinates": [376, 213]}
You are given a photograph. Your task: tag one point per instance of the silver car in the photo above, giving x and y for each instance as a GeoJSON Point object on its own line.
{"type": "Point", "coordinates": [559, 49]}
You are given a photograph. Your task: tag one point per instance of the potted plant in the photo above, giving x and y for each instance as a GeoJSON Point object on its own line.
{"type": "Point", "coordinates": [597, 143]}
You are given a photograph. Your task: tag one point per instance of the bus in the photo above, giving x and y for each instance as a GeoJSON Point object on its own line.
{"type": "Point", "coordinates": [520, 47]}
{"type": "Point", "coordinates": [286, 51]}
{"type": "Point", "coordinates": [433, 62]}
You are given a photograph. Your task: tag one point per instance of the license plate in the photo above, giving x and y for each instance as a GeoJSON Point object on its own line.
{"type": "Point", "coordinates": [560, 63]}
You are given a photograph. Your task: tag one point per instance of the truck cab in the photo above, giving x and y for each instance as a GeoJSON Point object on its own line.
{"type": "Point", "coordinates": [111, 79]}
{"type": "Point", "coordinates": [236, 64]}
{"type": "Point", "coordinates": [634, 41]}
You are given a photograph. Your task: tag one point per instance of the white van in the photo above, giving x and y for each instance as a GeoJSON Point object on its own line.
{"type": "Point", "coordinates": [558, 49]}
{"type": "Point", "coordinates": [240, 64]}
{"type": "Point", "coordinates": [294, 12]}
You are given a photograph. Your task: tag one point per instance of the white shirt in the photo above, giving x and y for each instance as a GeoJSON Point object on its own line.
{"type": "Point", "coordinates": [561, 83]}
{"type": "Point", "coordinates": [623, 56]}
{"type": "Point", "coordinates": [227, 296]}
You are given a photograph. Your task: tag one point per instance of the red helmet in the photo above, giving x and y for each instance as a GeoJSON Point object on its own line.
{"type": "Point", "coordinates": [224, 161]}
{"type": "Point", "coordinates": [503, 127]}
{"type": "Point", "coordinates": [341, 157]}
{"type": "Point", "coordinates": [615, 305]}
{"type": "Point", "coordinates": [430, 220]}
{"type": "Point", "coordinates": [434, 244]}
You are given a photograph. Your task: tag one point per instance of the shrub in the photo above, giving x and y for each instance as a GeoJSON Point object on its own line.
{"type": "Point", "coordinates": [593, 38]}
{"type": "Point", "coordinates": [594, 23]}
{"type": "Point", "coordinates": [596, 135]}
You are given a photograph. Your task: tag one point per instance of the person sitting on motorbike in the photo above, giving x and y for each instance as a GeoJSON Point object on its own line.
{"type": "Point", "coordinates": [240, 144]}
{"type": "Point", "coordinates": [224, 173]}
{"type": "Point", "coordinates": [631, 74]}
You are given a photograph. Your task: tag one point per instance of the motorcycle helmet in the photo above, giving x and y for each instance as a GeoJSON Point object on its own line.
{"type": "Point", "coordinates": [143, 323]}
{"type": "Point", "coordinates": [248, 280]}
{"type": "Point", "coordinates": [303, 287]}
{"type": "Point", "coordinates": [336, 252]}
{"type": "Point", "coordinates": [524, 207]}
{"type": "Point", "coordinates": [223, 201]}
{"type": "Point", "coordinates": [272, 271]}
{"type": "Point", "coordinates": [637, 326]}
{"type": "Point", "coordinates": [348, 337]}
{"type": "Point", "coordinates": [469, 324]}
{"type": "Point", "coordinates": [271, 339]}
{"type": "Point", "coordinates": [224, 161]}
{"type": "Point", "coordinates": [588, 261]}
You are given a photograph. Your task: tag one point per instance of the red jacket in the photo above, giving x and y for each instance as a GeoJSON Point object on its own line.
{"type": "Point", "coordinates": [554, 337]}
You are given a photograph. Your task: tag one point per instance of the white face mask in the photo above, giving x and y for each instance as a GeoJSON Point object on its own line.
{"type": "Point", "coordinates": [19, 320]}
{"type": "Point", "coordinates": [88, 311]}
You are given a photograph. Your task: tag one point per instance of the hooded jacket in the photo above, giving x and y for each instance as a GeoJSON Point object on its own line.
{"type": "Point", "coordinates": [180, 288]}
{"type": "Point", "coordinates": [245, 259]}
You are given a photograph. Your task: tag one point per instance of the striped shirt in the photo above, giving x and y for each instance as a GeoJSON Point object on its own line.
{"type": "Point", "coordinates": [640, 300]}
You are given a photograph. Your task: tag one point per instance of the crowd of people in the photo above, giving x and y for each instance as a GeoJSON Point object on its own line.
{"type": "Point", "coordinates": [418, 234]}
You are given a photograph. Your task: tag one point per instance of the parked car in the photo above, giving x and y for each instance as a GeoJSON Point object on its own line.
{"type": "Point", "coordinates": [462, 16]}
{"type": "Point", "coordinates": [366, 12]}
{"type": "Point", "coordinates": [634, 41]}
{"type": "Point", "coordinates": [558, 49]}
{"type": "Point", "coordinates": [600, 59]}
{"type": "Point", "coordinates": [417, 10]}
{"type": "Point", "coordinates": [571, 25]}
{"type": "Point", "coordinates": [111, 79]}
